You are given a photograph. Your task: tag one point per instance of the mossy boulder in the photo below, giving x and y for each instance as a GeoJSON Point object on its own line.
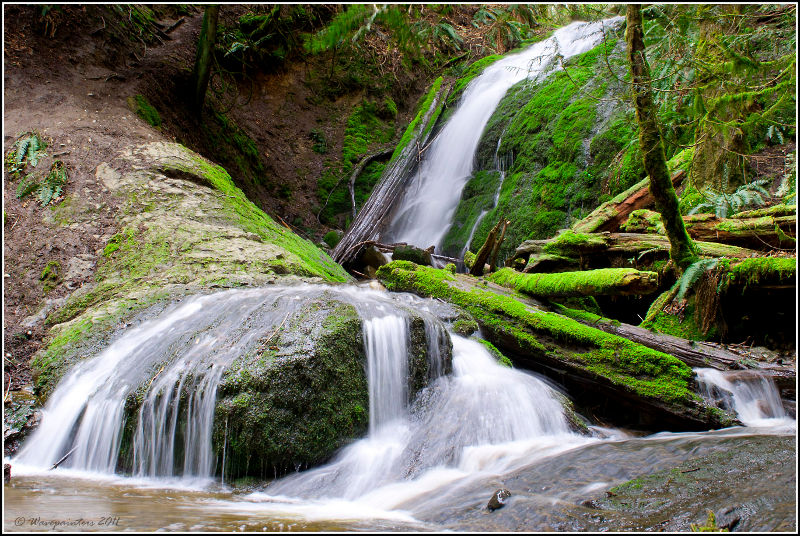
{"type": "Point", "coordinates": [303, 395]}
{"type": "Point", "coordinates": [412, 254]}
{"type": "Point", "coordinates": [182, 228]}
{"type": "Point", "coordinates": [297, 401]}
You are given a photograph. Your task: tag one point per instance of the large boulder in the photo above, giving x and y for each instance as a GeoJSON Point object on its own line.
{"type": "Point", "coordinates": [296, 401]}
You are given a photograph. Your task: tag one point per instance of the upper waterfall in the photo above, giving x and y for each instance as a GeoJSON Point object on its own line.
{"type": "Point", "coordinates": [425, 211]}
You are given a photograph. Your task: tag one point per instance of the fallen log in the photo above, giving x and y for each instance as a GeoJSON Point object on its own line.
{"type": "Point", "coordinates": [570, 251]}
{"type": "Point", "coordinates": [393, 180]}
{"type": "Point", "coordinates": [612, 214]}
{"type": "Point", "coordinates": [693, 353]}
{"type": "Point", "coordinates": [601, 282]}
{"type": "Point", "coordinates": [757, 232]}
{"type": "Point", "coordinates": [630, 382]}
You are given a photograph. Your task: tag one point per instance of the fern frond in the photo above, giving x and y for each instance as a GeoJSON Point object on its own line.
{"type": "Point", "coordinates": [27, 185]}
{"type": "Point", "coordinates": [692, 274]}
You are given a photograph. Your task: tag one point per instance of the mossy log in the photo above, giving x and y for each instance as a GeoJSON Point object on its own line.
{"type": "Point", "coordinates": [602, 282]}
{"type": "Point", "coordinates": [570, 250]}
{"type": "Point", "coordinates": [623, 380]}
{"type": "Point", "coordinates": [612, 214]}
{"type": "Point", "coordinates": [693, 353]}
{"type": "Point", "coordinates": [758, 232]}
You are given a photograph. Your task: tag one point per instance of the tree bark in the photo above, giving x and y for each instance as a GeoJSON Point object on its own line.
{"type": "Point", "coordinates": [496, 248]}
{"type": "Point", "coordinates": [682, 251]}
{"type": "Point", "coordinates": [205, 54]}
{"type": "Point", "coordinates": [485, 251]}
{"type": "Point", "coordinates": [611, 214]}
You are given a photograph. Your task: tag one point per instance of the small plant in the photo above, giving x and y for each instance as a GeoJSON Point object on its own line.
{"type": "Point", "coordinates": [710, 526]}
{"type": "Point", "coordinates": [46, 189]}
{"type": "Point", "coordinates": [723, 205]}
{"type": "Point", "coordinates": [27, 150]}
{"type": "Point", "coordinates": [692, 274]}
{"type": "Point", "coordinates": [320, 144]}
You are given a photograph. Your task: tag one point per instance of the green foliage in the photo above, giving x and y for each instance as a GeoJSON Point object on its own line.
{"type": "Point", "coordinates": [320, 143]}
{"type": "Point", "coordinates": [722, 204]}
{"type": "Point", "coordinates": [26, 151]}
{"type": "Point", "coordinates": [140, 105]}
{"type": "Point", "coordinates": [263, 39]}
{"type": "Point", "coordinates": [53, 183]}
{"type": "Point", "coordinates": [692, 274]}
{"type": "Point", "coordinates": [710, 526]}
{"type": "Point", "coordinates": [332, 238]}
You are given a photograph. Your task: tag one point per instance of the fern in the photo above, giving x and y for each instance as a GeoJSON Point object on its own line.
{"type": "Point", "coordinates": [27, 185]}
{"type": "Point", "coordinates": [28, 149]}
{"type": "Point", "coordinates": [723, 205]}
{"type": "Point", "coordinates": [52, 185]}
{"type": "Point", "coordinates": [692, 274]}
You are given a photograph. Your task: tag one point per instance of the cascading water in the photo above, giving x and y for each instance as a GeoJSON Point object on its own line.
{"type": "Point", "coordinates": [753, 397]}
{"type": "Point", "coordinates": [425, 212]}
{"type": "Point", "coordinates": [174, 364]}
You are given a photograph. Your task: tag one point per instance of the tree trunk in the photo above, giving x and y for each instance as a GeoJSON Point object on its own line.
{"type": "Point", "coordinates": [205, 54]}
{"type": "Point", "coordinates": [682, 250]}
{"type": "Point", "coordinates": [496, 249]}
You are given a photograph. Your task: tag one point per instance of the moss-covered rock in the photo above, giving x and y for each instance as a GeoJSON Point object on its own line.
{"type": "Point", "coordinates": [565, 147]}
{"type": "Point", "coordinates": [653, 387]}
{"type": "Point", "coordinates": [298, 400]}
{"type": "Point", "coordinates": [602, 282]}
{"type": "Point", "coordinates": [412, 254]}
{"type": "Point", "coordinates": [183, 227]}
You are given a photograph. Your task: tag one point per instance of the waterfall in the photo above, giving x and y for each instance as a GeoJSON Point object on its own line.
{"type": "Point", "coordinates": [171, 367]}
{"type": "Point", "coordinates": [752, 396]}
{"type": "Point", "coordinates": [424, 213]}
{"type": "Point", "coordinates": [481, 419]}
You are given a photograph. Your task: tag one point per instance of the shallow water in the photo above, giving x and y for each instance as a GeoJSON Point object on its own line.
{"type": "Point", "coordinates": [672, 479]}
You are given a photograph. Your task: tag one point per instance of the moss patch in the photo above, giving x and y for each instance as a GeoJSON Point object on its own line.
{"type": "Point", "coordinates": [142, 107]}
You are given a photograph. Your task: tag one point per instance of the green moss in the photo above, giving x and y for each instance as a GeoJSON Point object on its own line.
{"type": "Point", "coordinates": [476, 199]}
{"type": "Point", "coordinates": [643, 221]}
{"type": "Point", "coordinates": [571, 244]}
{"type": "Point", "coordinates": [763, 270]}
{"type": "Point", "coordinates": [235, 149]}
{"type": "Point", "coordinates": [497, 354]}
{"type": "Point", "coordinates": [51, 276]}
{"type": "Point", "coordinates": [332, 238]}
{"type": "Point", "coordinates": [295, 405]}
{"type": "Point", "coordinates": [140, 105]}
{"type": "Point", "coordinates": [649, 373]}
{"type": "Point", "coordinates": [365, 130]}
{"type": "Point", "coordinates": [601, 282]}
{"type": "Point", "coordinates": [684, 326]}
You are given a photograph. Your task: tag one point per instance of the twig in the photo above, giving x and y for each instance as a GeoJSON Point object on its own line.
{"type": "Point", "coordinates": [93, 32]}
{"type": "Point", "coordinates": [8, 391]}
{"type": "Point", "coordinates": [59, 462]}
{"type": "Point", "coordinates": [277, 329]}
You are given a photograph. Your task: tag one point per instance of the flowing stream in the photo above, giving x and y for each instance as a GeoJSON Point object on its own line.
{"type": "Point", "coordinates": [428, 462]}
{"type": "Point", "coordinates": [425, 211]}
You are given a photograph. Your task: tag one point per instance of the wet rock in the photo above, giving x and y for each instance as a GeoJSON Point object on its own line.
{"type": "Point", "coordinates": [413, 254]}
{"type": "Point", "coordinates": [728, 518]}
{"type": "Point", "coordinates": [6, 473]}
{"type": "Point", "coordinates": [498, 500]}
{"type": "Point", "coordinates": [373, 257]}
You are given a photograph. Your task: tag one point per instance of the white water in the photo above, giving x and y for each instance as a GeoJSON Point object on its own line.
{"type": "Point", "coordinates": [425, 212]}
{"type": "Point", "coordinates": [753, 397]}
{"type": "Point", "coordinates": [482, 420]}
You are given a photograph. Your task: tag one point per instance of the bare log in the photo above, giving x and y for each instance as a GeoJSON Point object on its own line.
{"type": "Point", "coordinates": [496, 248]}
{"type": "Point", "coordinates": [360, 168]}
